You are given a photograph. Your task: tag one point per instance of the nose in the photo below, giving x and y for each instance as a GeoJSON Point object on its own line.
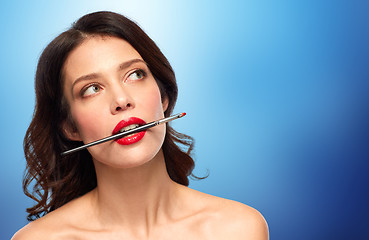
{"type": "Point", "coordinates": [121, 100]}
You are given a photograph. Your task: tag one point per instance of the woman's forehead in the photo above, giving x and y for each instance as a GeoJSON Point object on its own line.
{"type": "Point", "coordinates": [98, 53]}
{"type": "Point", "coordinates": [95, 48]}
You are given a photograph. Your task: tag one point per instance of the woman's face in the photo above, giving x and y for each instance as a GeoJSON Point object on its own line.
{"type": "Point", "coordinates": [109, 87]}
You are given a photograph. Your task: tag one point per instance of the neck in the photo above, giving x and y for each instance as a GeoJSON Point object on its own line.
{"type": "Point", "coordinates": [137, 198]}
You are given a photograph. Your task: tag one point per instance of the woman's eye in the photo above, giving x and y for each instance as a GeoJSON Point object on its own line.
{"type": "Point", "coordinates": [136, 75]}
{"type": "Point", "coordinates": [91, 90]}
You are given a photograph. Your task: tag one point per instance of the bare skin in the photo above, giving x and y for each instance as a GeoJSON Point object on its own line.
{"type": "Point", "coordinates": [135, 197]}
{"type": "Point", "coordinates": [153, 208]}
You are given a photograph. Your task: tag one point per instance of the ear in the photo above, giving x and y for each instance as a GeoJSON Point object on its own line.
{"type": "Point", "coordinates": [165, 104]}
{"type": "Point", "coordinates": [70, 131]}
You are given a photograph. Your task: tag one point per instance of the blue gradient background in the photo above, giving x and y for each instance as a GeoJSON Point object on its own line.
{"type": "Point", "coordinates": [276, 94]}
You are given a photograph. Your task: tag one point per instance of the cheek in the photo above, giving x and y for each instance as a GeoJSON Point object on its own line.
{"type": "Point", "coordinates": [88, 124]}
{"type": "Point", "coordinates": [153, 101]}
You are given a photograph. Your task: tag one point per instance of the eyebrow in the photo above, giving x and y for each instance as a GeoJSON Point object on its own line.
{"type": "Point", "coordinates": [121, 66]}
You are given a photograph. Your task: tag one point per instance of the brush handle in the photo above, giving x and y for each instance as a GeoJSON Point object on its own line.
{"type": "Point", "coordinates": [125, 133]}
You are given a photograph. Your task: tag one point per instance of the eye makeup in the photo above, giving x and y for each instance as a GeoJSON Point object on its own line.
{"type": "Point", "coordinates": [95, 88]}
{"type": "Point", "coordinates": [135, 75]}
{"type": "Point", "coordinates": [140, 74]}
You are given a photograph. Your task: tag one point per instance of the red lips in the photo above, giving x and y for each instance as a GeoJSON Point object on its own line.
{"type": "Point", "coordinates": [131, 138]}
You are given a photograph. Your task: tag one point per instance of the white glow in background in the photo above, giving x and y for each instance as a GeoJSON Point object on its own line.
{"type": "Point", "coordinates": [275, 92]}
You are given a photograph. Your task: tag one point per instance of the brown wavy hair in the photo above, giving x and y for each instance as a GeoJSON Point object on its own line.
{"type": "Point", "coordinates": [59, 179]}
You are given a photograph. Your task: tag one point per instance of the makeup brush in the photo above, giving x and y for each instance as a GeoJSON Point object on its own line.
{"type": "Point", "coordinates": [125, 133]}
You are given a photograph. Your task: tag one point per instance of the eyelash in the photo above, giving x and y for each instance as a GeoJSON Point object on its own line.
{"type": "Point", "coordinates": [83, 90]}
{"type": "Point", "coordinates": [139, 71]}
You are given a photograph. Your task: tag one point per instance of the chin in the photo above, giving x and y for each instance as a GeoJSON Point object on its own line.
{"type": "Point", "coordinates": [134, 161]}
{"type": "Point", "coordinates": [135, 155]}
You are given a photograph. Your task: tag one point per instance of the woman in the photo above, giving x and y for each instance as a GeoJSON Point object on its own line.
{"type": "Point", "coordinates": [102, 76]}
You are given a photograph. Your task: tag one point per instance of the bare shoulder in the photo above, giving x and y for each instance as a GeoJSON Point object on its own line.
{"type": "Point", "coordinates": [231, 219]}
{"type": "Point", "coordinates": [32, 231]}
{"type": "Point", "coordinates": [53, 226]}
{"type": "Point", "coordinates": [244, 221]}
